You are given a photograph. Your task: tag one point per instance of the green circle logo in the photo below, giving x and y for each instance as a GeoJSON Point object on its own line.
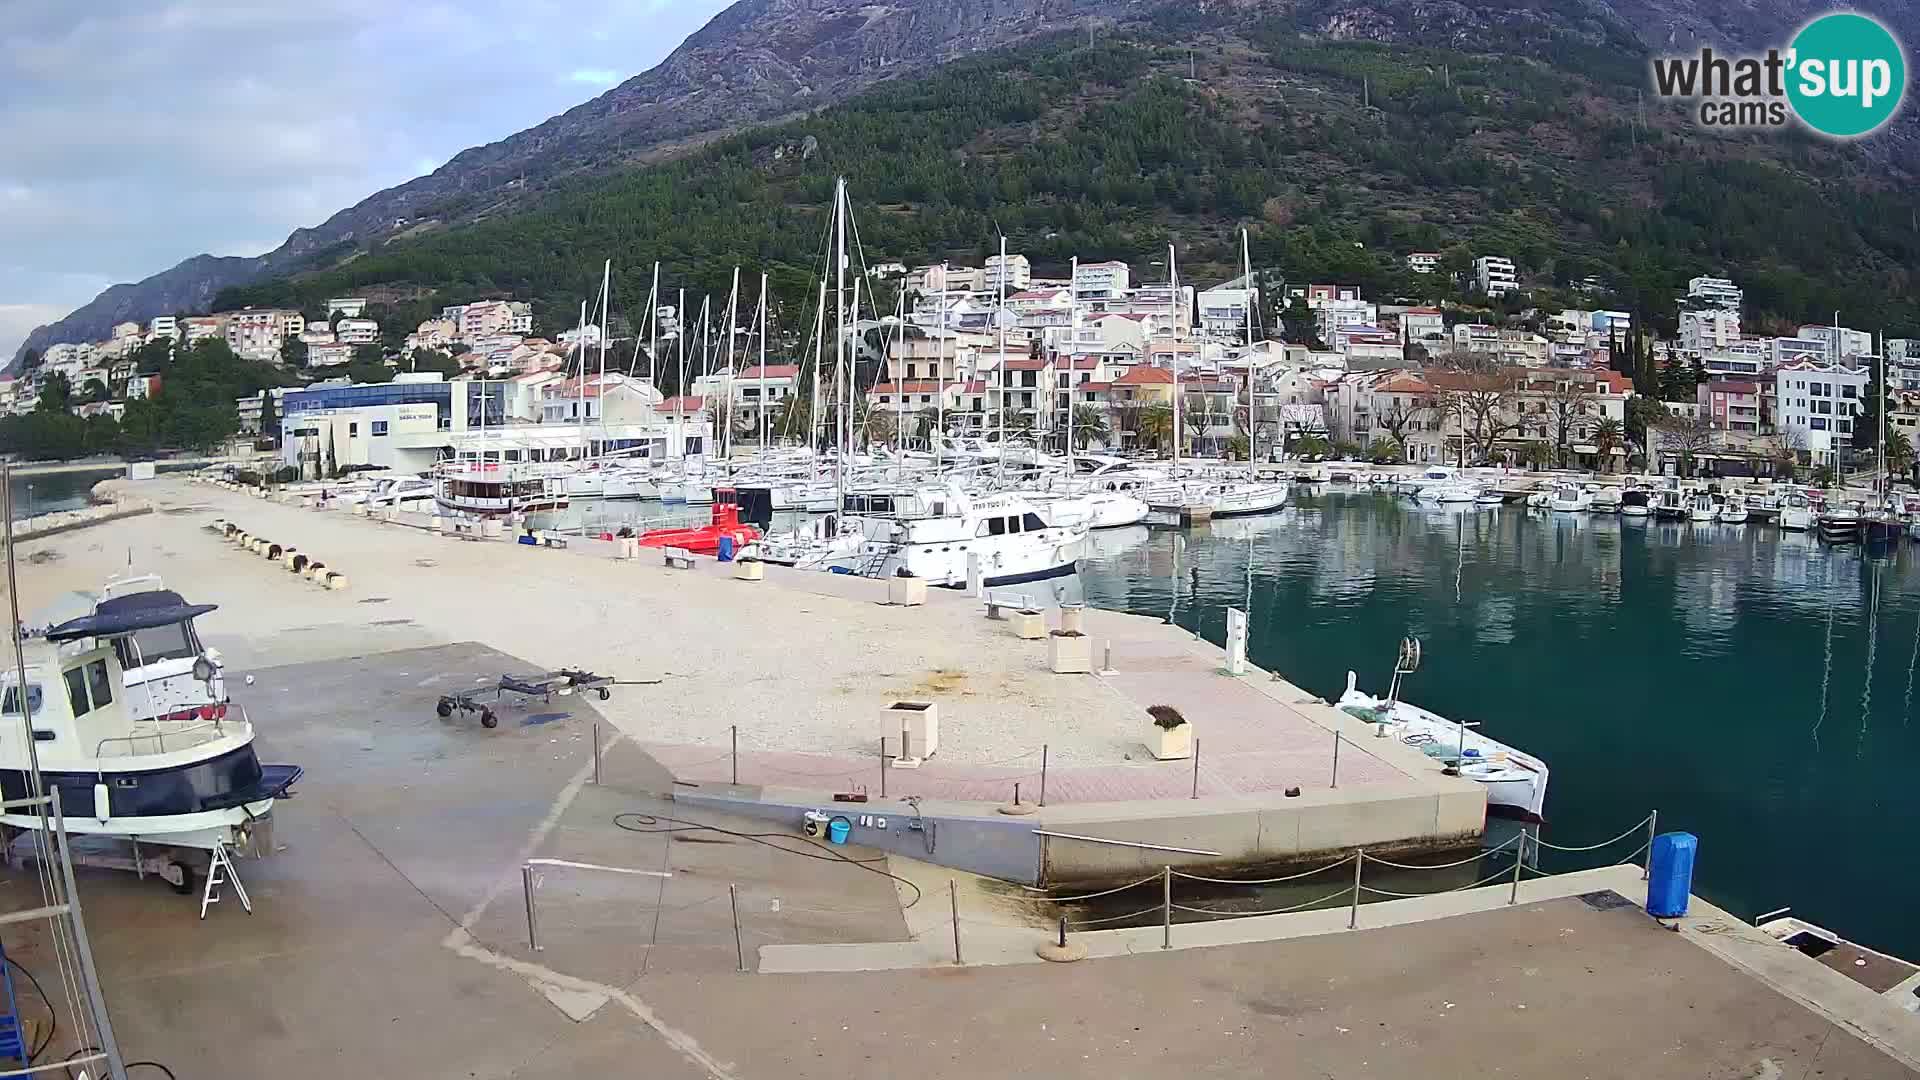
{"type": "Point", "coordinates": [1847, 74]}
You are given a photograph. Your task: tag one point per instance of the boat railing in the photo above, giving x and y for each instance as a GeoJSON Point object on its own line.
{"type": "Point", "coordinates": [167, 736]}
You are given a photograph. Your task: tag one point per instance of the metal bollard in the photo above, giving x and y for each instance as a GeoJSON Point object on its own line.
{"type": "Point", "coordinates": [1043, 775]}
{"type": "Point", "coordinates": [736, 753]}
{"type": "Point", "coordinates": [1519, 864]}
{"type": "Point", "coordinates": [596, 754]}
{"type": "Point", "coordinates": [1106, 663]}
{"type": "Point", "coordinates": [953, 898]}
{"type": "Point", "coordinates": [1353, 912]}
{"type": "Point", "coordinates": [1166, 907]}
{"type": "Point", "coordinates": [526, 884]}
{"type": "Point", "coordinates": [883, 767]}
{"type": "Point", "coordinates": [1336, 760]}
{"type": "Point", "coordinates": [739, 953]}
{"type": "Point", "coordinates": [1196, 768]}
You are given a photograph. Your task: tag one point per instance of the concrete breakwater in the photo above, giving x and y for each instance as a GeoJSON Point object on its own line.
{"type": "Point", "coordinates": [109, 504]}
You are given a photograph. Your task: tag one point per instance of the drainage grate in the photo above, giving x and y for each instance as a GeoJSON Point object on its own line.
{"type": "Point", "coordinates": [1606, 900]}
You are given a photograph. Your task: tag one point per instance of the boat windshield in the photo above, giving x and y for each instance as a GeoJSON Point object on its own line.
{"type": "Point", "coordinates": [175, 641]}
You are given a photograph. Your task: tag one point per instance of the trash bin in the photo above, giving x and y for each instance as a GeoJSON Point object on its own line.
{"type": "Point", "coordinates": [837, 830]}
{"type": "Point", "coordinates": [726, 549]}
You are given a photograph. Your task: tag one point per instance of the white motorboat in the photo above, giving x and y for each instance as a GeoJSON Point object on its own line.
{"type": "Point", "coordinates": [1093, 510]}
{"type": "Point", "coordinates": [1540, 500]}
{"type": "Point", "coordinates": [1895, 980]}
{"type": "Point", "coordinates": [1235, 499]}
{"type": "Point", "coordinates": [1700, 508]}
{"type": "Point", "coordinates": [487, 489]}
{"type": "Point", "coordinates": [1515, 782]}
{"type": "Point", "coordinates": [1569, 499]}
{"type": "Point", "coordinates": [187, 783]}
{"type": "Point", "coordinates": [1733, 511]}
{"type": "Point", "coordinates": [1796, 512]}
{"type": "Point", "coordinates": [1489, 498]}
{"type": "Point", "coordinates": [1636, 503]}
{"type": "Point", "coordinates": [939, 534]}
{"type": "Point", "coordinates": [1607, 500]}
{"type": "Point", "coordinates": [1672, 504]}
{"type": "Point", "coordinates": [166, 671]}
{"type": "Point", "coordinates": [1452, 493]}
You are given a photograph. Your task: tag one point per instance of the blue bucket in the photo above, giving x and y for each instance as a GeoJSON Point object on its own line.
{"type": "Point", "coordinates": [837, 830]}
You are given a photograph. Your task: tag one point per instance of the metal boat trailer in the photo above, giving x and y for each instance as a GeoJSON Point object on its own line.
{"type": "Point", "coordinates": [180, 866]}
{"type": "Point", "coordinates": [544, 686]}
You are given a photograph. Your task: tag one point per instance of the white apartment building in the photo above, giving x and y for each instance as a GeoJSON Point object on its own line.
{"type": "Point", "coordinates": [163, 326]}
{"type": "Point", "coordinates": [1742, 358]}
{"type": "Point", "coordinates": [1714, 292]}
{"type": "Point", "coordinates": [1495, 275]}
{"type": "Point", "coordinates": [1102, 280]}
{"type": "Point", "coordinates": [1794, 350]}
{"type": "Point", "coordinates": [1423, 326]}
{"type": "Point", "coordinates": [1028, 301]}
{"type": "Point", "coordinates": [201, 327]}
{"type": "Point", "coordinates": [1423, 262]}
{"type": "Point", "coordinates": [350, 306]}
{"type": "Point", "coordinates": [487, 318]}
{"type": "Point", "coordinates": [1476, 337]}
{"type": "Point", "coordinates": [356, 331]}
{"type": "Point", "coordinates": [1015, 275]}
{"type": "Point", "coordinates": [1710, 329]}
{"type": "Point", "coordinates": [67, 358]}
{"type": "Point", "coordinates": [1332, 315]}
{"type": "Point", "coordinates": [257, 333]}
{"type": "Point", "coordinates": [1223, 311]}
{"type": "Point", "coordinates": [1839, 343]}
{"type": "Point", "coordinates": [1819, 400]}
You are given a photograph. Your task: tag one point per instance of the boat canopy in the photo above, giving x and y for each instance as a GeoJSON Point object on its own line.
{"type": "Point", "coordinates": [120, 615]}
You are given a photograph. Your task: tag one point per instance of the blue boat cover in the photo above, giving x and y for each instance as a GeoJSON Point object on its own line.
{"type": "Point", "coordinates": [126, 614]}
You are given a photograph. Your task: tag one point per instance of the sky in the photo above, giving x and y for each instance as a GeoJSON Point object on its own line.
{"type": "Point", "coordinates": [136, 133]}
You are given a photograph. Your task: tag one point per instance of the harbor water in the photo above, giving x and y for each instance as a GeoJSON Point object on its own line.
{"type": "Point", "coordinates": [1754, 686]}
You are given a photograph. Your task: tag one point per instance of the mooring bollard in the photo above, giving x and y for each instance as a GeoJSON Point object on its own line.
{"type": "Point", "coordinates": [1106, 660]}
{"type": "Point", "coordinates": [526, 883]}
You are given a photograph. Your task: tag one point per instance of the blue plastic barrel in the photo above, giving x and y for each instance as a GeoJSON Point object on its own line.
{"type": "Point", "coordinates": [1670, 874]}
{"type": "Point", "coordinates": [837, 830]}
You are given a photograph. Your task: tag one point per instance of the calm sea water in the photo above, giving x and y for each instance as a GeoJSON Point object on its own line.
{"type": "Point", "coordinates": [1754, 686]}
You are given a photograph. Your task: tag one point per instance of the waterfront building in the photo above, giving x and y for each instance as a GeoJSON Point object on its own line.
{"type": "Point", "coordinates": [1333, 315]}
{"type": "Point", "coordinates": [1012, 274]}
{"type": "Point", "coordinates": [1224, 310]}
{"type": "Point", "coordinates": [1819, 401]}
{"type": "Point", "coordinates": [1731, 406]}
{"type": "Point", "coordinates": [1713, 292]}
{"type": "Point", "coordinates": [1423, 262]}
{"type": "Point", "coordinates": [163, 326]}
{"type": "Point", "coordinates": [1101, 280]}
{"type": "Point", "coordinates": [356, 331]}
{"type": "Point", "coordinates": [1709, 329]}
{"type": "Point", "coordinates": [1839, 343]}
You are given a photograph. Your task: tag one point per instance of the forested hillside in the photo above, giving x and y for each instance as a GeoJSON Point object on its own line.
{"type": "Point", "coordinates": [1340, 156]}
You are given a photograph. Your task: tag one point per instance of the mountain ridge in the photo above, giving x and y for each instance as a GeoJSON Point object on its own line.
{"type": "Point", "coordinates": [758, 61]}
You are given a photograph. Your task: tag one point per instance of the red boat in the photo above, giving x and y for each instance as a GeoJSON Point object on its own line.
{"type": "Point", "coordinates": [705, 539]}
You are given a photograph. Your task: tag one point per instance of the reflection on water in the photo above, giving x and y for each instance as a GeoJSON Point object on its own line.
{"type": "Point", "coordinates": [1717, 673]}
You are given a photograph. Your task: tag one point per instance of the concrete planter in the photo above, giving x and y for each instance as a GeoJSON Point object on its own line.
{"type": "Point", "coordinates": [1069, 653]}
{"type": "Point", "coordinates": [1028, 625]}
{"type": "Point", "coordinates": [749, 570]}
{"type": "Point", "coordinates": [911, 731]}
{"type": "Point", "coordinates": [906, 591]}
{"type": "Point", "coordinates": [1073, 618]}
{"type": "Point", "coordinates": [1170, 745]}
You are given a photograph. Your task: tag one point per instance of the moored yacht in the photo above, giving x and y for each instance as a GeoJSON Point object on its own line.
{"type": "Point", "coordinates": [938, 534]}
{"type": "Point", "coordinates": [1733, 511]}
{"type": "Point", "coordinates": [1796, 512]}
{"type": "Point", "coordinates": [1568, 498]}
{"type": "Point", "coordinates": [486, 489]}
{"type": "Point", "coordinates": [1700, 507]}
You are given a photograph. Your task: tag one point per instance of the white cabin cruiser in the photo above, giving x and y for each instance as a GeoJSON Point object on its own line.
{"type": "Point", "coordinates": [168, 674]}
{"type": "Point", "coordinates": [1570, 499]}
{"type": "Point", "coordinates": [1700, 507]}
{"type": "Point", "coordinates": [189, 783]}
{"type": "Point", "coordinates": [487, 489]}
{"type": "Point", "coordinates": [1796, 512]}
{"type": "Point", "coordinates": [1733, 511]}
{"type": "Point", "coordinates": [1093, 510]}
{"type": "Point", "coordinates": [1606, 500]}
{"type": "Point", "coordinates": [936, 533]}
{"type": "Point", "coordinates": [1516, 782]}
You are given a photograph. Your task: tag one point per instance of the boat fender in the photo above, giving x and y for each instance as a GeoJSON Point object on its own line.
{"type": "Point", "coordinates": [102, 803]}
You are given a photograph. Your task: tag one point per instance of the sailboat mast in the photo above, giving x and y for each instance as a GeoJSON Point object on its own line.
{"type": "Point", "coordinates": [680, 386]}
{"type": "Point", "coordinates": [819, 373]}
{"type": "Point", "coordinates": [940, 365]}
{"type": "Point", "coordinates": [606, 332]}
{"type": "Point", "coordinates": [1000, 320]}
{"type": "Point", "coordinates": [840, 328]}
{"type": "Point", "coordinates": [733, 323]}
{"type": "Point", "coordinates": [900, 410]}
{"type": "Point", "coordinates": [1253, 410]}
{"type": "Point", "coordinates": [1173, 310]}
{"type": "Point", "coordinates": [763, 364]}
{"type": "Point", "coordinates": [580, 386]}
{"type": "Point", "coordinates": [653, 326]}
{"type": "Point", "coordinates": [1073, 346]}
{"type": "Point", "coordinates": [853, 369]}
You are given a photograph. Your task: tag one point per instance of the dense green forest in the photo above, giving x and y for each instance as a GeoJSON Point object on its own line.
{"type": "Point", "coordinates": [1339, 157]}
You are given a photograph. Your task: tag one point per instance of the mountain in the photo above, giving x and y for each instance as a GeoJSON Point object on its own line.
{"type": "Point", "coordinates": [755, 61]}
{"type": "Point", "coordinates": [768, 60]}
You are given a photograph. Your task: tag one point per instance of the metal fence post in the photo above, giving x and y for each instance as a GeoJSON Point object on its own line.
{"type": "Point", "coordinates": [1166, 907]}
{"type": "Point", "coordinates": [1196, 768]}
{"type": "Point", "coordinates": [733, 901]}
{"type": "Point", "coordinates": [1353, 911]}
{"type": "Point", "coordinates": [953, 899]}
{"type": "Point", "coordinates": [1653, 829]}
{"type": "Point", "coordinates": [736, 753]}
{"type": "Point", "coordinates": [596, 753]}
{"type": "Point", "coordinates": [1519, 865]}
{"type": "Point", "coordinates": [883, 767]}
{"type": "Point", "coordinates": [1336, 760]}
{"type": "Point", "coordinates": [526, 884]}
{"type": "Point", "coordinates": [1043, 774]}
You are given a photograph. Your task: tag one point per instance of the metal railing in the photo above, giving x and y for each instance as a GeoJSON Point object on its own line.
{"type": "Point", "coordinates": [1354, 890]}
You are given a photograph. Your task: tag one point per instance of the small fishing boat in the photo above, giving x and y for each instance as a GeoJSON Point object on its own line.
{"type": "Point", "coordinates": [723, 524]}
{"type": "Point", "coordinates": [1796, 512]}
{"type": "Point", "coordinates": [1671, 505]}
{"type": "Point", "coordinates": [1700, 508]}
{"type": "Point", "coordinates": [1636, 503]}
{"type": "Point", "coordinates": [1840, 522]}
{"type": "Point", "coordinates": [1607, 500]}
{"type": "Point", "coordinates": [1515, 782]}
{"type": "Point", "coordinates": [1569, 499]}
{"type": "Point", "coordinates": [1733, 511]}
{"type": "Point", "coordinates": [1489, 498]}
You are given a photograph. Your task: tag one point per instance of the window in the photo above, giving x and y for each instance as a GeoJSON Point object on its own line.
{"type": "Point", "coordinates": [992, 527]}
{"type": "Point", "coordinates": [353, 430]}
{"type": "Point", "coordinates": [175, 641]}
{"type": "Point", "coordinates": [1032, 523]}
{"type": "Point", "coordinates": [77, 691]}
{"type": "Point", "coordinates": [100, 683]}
{"type": "Point", "coordinates": [379, 428]}
{"type": "Point", "coordinates": [1846, 391]}
{"type": "Point", "coordinates": [1845, 427]}
{"type": "Point", "coordinates": [11, 705]}
{"type": "Point", "coordinates": [1817, 424]}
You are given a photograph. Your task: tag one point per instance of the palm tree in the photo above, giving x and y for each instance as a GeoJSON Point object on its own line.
{"type": "Point", "coordinates": [925, 423]}
{"type": "Point", "coordinates": [1607, 435]}
{"type": "Point", "coordinates": [1899, 456]}
{"type": "Point", "coordinates": [1089, 423]}
{"type": "Point", "coordinates": [1156, 426]}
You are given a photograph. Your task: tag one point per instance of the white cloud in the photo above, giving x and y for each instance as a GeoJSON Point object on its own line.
{"type": "Point", "coordinates": [139, 133]}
